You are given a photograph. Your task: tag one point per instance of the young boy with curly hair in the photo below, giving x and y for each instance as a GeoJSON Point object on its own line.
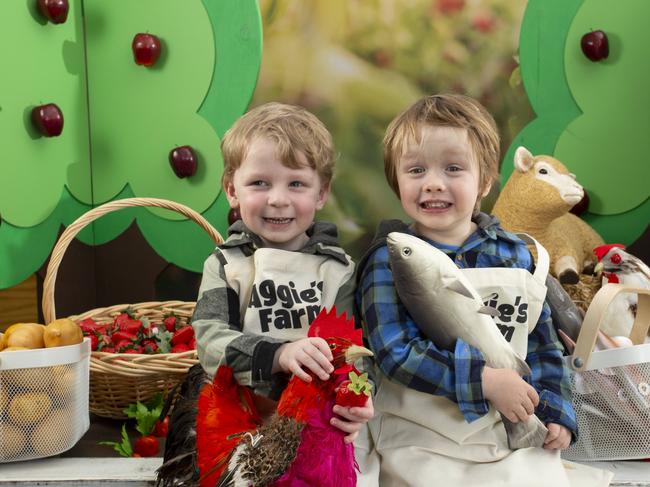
{"type": "Point", "coordinates": [266, 283]}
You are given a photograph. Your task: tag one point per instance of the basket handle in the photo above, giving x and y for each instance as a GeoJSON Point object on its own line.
{"type": "Point", "coordinates": [596, 314]}
{"type": "Point", "coordinates": [49, 311]}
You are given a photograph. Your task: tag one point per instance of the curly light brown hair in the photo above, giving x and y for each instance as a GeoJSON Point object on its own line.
{"type": "Point", "coordinates": [294, 130]}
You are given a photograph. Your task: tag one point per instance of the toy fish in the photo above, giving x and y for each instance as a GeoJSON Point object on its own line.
{"type": "Point", "coordinates": [446, 307]}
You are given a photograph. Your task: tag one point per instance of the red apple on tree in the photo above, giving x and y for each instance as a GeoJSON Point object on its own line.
{"type": "Point", "coordinates": [233, 216]}
{"type": "Point", "coordinates": [48, 119]}
{"type": "Point", "coordinates": [56, 11]}
{"type": "Point", "coordinates": [146, 49]}
{"type": "Point", "coordinates": [183, 161]}
{"type": "Point", "coordinates": [595, 45]}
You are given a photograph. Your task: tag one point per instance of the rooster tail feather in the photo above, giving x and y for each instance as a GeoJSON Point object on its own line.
{"type": "Point", "coordinates": [179, 465]}
{"type": "Point", "coordinates": [225, 411]}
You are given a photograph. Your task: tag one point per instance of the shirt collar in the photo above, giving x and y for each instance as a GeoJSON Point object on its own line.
{"type": "Point", "coordinates": [323, 240]}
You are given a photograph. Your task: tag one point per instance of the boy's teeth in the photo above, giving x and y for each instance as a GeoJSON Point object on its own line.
{"type": "Point", "coordinates": [437, 204]}
{"type": "Point", "coordinates": [278, 220]}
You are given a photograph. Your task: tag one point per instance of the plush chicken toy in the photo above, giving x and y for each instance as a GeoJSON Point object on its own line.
{"type": "Point", "coordinates": [619, 267]}
{"type": "Point", "coordinates": [297, 446]}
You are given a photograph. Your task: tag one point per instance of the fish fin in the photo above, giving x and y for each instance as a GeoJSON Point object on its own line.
{"type": "Point", "coordinates": [489, 310]}
{"type": "Point", "coordinates": [454, 284]}
{"type": "Point", "coordinates": [522, 366]}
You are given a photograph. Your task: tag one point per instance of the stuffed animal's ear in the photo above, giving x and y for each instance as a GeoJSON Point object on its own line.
{"type": "Point", "coordinates": [523, 159]}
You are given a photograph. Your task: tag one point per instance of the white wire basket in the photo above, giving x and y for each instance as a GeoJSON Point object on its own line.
{"type": "Point", "coordinates": [611, 388]}
{"type": "Point", "coordinates": [43, 401]}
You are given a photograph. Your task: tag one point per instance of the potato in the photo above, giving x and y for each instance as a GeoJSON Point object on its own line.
{"type": "Point", "coordinates": [12, 441]}
{"type": "Point", "coordinates": [4, 400]}
{"type": "Point", "coordinates": [62, 332]}
{"type": "Point", "coordinates": [64, 379]}
{"type": "Point", "coordinates": [54, 434]}
{"type": "Point", "coordinates": [25, 336]}
{"type": "Point", "coordinates": [29, 408]}
{"type": "Point", "coordinates": [32, 379]}
{"type": "Point", "coordinates": [36, 327]}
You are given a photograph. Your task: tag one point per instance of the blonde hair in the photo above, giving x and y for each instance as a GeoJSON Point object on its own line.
{"type": "Point", "coordinates": [449, 110]}
{"type": "Point", "coordinates": [292, 128]}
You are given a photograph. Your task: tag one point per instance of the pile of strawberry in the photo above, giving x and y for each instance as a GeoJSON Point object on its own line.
{"type": "Point", "coordinates": [128, 334]}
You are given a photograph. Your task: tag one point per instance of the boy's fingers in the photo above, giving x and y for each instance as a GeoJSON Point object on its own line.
{"type": "Point", "coordinates": [345, 426]}
{"type": "Point", "coordinates": [532, 394]}
{"type": "Point", "coordinates": [298, 372]}
{"type": "Point", "coordinates": [323, 347]}
{"type": "Point", "coordinates": [318, 356]}
{"type": "Point", "coordinates": [351, 437]}
{"type": "Point", "coordinates": [306, 361]}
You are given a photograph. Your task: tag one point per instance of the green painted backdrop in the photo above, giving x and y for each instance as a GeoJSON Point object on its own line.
{"type": "Point", "coordinates": [121, 120]}
{"type": "Point", "coordinates": [593, 116]}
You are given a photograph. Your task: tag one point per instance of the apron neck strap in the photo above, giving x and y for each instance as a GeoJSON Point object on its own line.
{"type": "Point", "coordinates": [542, 264]}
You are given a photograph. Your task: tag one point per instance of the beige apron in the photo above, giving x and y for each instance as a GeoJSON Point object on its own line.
{"type": "Point", "coordinates": [424, 440]}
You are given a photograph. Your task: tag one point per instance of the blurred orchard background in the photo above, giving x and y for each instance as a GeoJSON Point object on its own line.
{"type": "Point", "coordinates": [358, 63]}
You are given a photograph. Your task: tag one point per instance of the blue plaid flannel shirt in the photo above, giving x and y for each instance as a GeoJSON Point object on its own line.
{"type": "Point", "coordinates": [405, 355]}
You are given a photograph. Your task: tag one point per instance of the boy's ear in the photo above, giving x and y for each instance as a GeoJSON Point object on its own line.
{"type": "Point", "coordinates": [486, 191]}
{"type": "Point", "coordinates": [323, 195]}
{"type": "Point", "coordinates": [229, 188]}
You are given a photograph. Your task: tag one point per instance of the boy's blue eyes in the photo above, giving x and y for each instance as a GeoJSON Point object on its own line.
{"type": "Point", "coordinates": [420, 170]}
{"type": "Point", "coordinates": [293, 184]}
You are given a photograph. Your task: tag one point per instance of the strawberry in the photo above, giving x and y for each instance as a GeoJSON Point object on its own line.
{"type": "Point", "coordinates": [120, 336]}
{"type": "Point", "coordinates": [192, 344]}
{"type": "Point", "coordinates": [182, 335]}
{"type": "Point", "coordinates": [146, 446]}
{"type": "Point", "coordinates": [161, 427]}
{"type": "Point", "coordinates": [94, 342]}
{"type": "Point", "coordinates": [133, 327]}
{"type": "Point", "coordinates": [121, 320]}
{"type": "Point", "coordinates": [150, 346]}
{"type": "Point", "coordinates": [170, 323]}
{"type": "Point", "coordinates": [181, 347]}
{"type": "Point", "coordinates": [108, 350]}
{"type": "Point", "coordinates": [353, 392]}
{"type": "Point", "coordinates": [134, 349]}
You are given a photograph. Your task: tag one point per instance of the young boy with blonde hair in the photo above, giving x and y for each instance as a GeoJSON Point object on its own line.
{"type": "Point", "coordinates": [265, 284]}
{"type": "Point", "coordinates": [437, 409]}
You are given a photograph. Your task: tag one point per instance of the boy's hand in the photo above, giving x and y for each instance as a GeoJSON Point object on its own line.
{"type": "Point", "coordinates": [353, 419]}
{"type": "Point", "coordinates": [510, 394]}
{"type": "Point", "coordinates": [558, 437]}
{"type": "Point", "coordinates": [311, 353]}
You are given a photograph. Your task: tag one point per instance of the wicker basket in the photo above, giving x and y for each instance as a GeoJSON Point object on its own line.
{"type": "Point", "coordinates": [120, 379]}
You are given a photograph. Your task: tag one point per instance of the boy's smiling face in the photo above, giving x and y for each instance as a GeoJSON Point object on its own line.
{"type": "Point", "coordinates": [439, 184]}
{"type": "Point", "coordinates": [276, 202]}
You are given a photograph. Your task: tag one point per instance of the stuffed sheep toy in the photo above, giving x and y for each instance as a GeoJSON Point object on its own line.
{"type": "Point", "coordinates": [536, 200]}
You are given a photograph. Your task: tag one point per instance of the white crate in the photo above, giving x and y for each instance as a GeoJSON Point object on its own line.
{"type": "Point", "coordinates": [43, 401]}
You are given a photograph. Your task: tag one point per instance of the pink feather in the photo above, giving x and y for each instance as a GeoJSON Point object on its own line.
{"type": "Point", "coordinates": [323, 458]}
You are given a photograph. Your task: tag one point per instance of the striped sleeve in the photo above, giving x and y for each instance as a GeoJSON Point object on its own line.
{"type": "Point", "coordinates": [219, 337]}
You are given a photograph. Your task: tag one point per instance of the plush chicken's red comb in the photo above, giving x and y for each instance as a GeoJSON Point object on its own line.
{"type": "Point", "coordinates": [602, 250]}
{"type": "Point", "coordinates": [328, 325]}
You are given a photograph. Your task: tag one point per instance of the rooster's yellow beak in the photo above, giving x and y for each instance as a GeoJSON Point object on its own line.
{"type": "Point", "coordinates": [599, 268]}
{"type": "Point", "coordinates": [355, 352]}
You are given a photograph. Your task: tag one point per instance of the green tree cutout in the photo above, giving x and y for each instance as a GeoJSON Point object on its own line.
{"type": "Point", "coordinates": [590, 115]}
{"type": "Point", "coordinates": [203, 82]}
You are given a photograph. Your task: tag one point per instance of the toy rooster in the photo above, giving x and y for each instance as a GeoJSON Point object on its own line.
{"type": "Point", "coordinates": [620, 267]}
{"type": "Point", "coordinates": [296, 446]}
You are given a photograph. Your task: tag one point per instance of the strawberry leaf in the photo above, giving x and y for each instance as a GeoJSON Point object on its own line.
{"type": "Point", "coordinates": [123, 447]}
{"type": "Point", "coordinates": [163, 338]}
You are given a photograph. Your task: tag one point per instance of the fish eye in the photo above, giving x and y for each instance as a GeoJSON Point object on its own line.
{"type": "Point", "coordinates": [406, 251]}
{"type": "Point", "coordinates": [332, 346]}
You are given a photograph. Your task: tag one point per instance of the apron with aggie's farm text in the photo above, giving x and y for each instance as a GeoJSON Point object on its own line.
{"type": "Point", "coordinates": [424, 440]}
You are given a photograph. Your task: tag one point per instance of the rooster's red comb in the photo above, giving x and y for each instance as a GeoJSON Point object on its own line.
{"type": "Point", "coordinates": [602, 250]}
{"type": "Point", "coordinates": [328, 325]}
